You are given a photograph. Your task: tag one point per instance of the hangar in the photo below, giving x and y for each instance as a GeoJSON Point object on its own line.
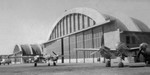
{"type": "Point", "coordinates": [26, 50]}
{"type": "Point", "coordinates": [88, 28]}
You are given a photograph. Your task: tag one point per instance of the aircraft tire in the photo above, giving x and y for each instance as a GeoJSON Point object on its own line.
{"type": "Point", "coordinates": [54, 64]}
{"type": "Point", "coordinates": [108, 64]}
{"type": "Point", "coordinates": [35, 64]}
{"type": "Point", "coordinates": [120, 64]}
{"type": "Point", "coordinates": [48, 64]}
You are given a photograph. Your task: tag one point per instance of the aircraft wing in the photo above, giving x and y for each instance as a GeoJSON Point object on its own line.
{"type": "Point", "coordinates": [108, 54]}
{"type": "Point", "coordinates": [21, 56]}
{"type": "Point", "coordinates": [88, 49]}
{"type": "Point", "coordinates": [134, 49]}
{"type": "Point", "coordinates": [104, 51]}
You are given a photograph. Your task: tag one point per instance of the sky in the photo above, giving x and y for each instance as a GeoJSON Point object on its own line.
{"type": "Point", "coordinates": [31, 21]}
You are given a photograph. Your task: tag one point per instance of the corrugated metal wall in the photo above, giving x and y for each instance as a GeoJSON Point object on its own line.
{"type": "Point", "coordinates": [80, 40]}
{"type": "Point", "coordinates": [66, 48]}
{"type": "Point", "coordinates": [17, 49]}
{"type": "Point", "coordinates": [88, 39]}
{"type": "Point", "coordinates": [54, 46]}
{"type": "Point", "coordinates": [80, 43]}
{"type": "Point", "coordinates": [72, 46]}
{"type": "Point", "coordinates": [97, 37]}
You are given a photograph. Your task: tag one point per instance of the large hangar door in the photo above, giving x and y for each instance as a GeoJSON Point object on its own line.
{"type": "Point", "coordinates": [66, 49]}
{"type": "Point", "coordinates": [111, 39]}
{"type": "Point", "coordinates": [53, 46]}
{"type": "Point", "coordinates": [80, 42]}
{"type": "Point", "coordinates": [97, 37]}
{"type": "Point", "coordinates": [88, 39]}
{"type": "Point", "coordinates": [72, 41]}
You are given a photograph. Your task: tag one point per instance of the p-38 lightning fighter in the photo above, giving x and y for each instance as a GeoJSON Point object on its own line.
{"type": "Point", "coordinates": [5, 61]}
{"type": "Point", "coordinates": [46, 57]}
{"type": "Point", "coordinates": [123, 51]}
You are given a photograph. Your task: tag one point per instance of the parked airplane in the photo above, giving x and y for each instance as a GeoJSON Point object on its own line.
{"type": "Point", "coordinates": [5, 61]}
{"type": "Point", "coordinates": [46, 57]}
{"type": "Point", "coordinates": [123, 51]}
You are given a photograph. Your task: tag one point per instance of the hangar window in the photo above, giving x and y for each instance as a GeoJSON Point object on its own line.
{"type": "Point", "coordinates": [74, 20]}
{"type": "Point", "coordinates": [60, 28]}
{"type": "Point", "coordinates": [128, 39]}
{"type": "Point", "coordinates": [88, 20]}
{"type": "Point", "coordinates": [63, 25]}
{"type": "Point", "coordinates": [66, 24]}
{"type": "Point", "coordinates": [70, 23]}
{"type": "Point", "coordinates": [83, 21]}
{"type": "Point", "coordinates": [78, 21]}
{"type": "Point", "coordinates": [133, 40]}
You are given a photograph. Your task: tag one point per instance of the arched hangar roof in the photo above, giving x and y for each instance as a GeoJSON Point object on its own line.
{"type": "Point", "coordinates": [127, 23]}
{"type": "Point", "coordinates": [122, 21]}
{"type": "Point", "coordinates": [95, 15]}
{"type": "Point", "coordinates": [17, 49]}
{"type": "Point", "coordinates": [27, 49]}
{"type": "Point", "coordinates": [36, 49]}
{"type": "Point", "coordinates": [88, 12]}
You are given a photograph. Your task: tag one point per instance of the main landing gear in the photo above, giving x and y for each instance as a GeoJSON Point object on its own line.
{"type": "Point", "coordinates": [48, 64]}
{"type": "Point", "coordinates": [54, 63]}
{"type": "Point", "coordinates": [35, 64]}
{"type": "Point", "coordinates": [120, 65]}
{"type": "Point", "coordinates": [108, 63]}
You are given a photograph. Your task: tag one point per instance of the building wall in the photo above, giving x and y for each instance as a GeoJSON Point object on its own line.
{"type": "Point", "coordinates": [97, 37]}
{"type": "Point", "coordinates": [54, 46]}
{"type": "Point", "coordinates": [17, 49]}
{"type": "Point", "coordinates": [71, 23]}
{"type": "Point", "coordinates": [66, 48]}
{"type": "Point", "coordinates": [90, 38]}
{"type": "Point", "coordinates": [26, 50]}
{"type": "Point", "coordinates": [78, 30]}
{"type": "Point", "coordinates": [111, 39]}
{"type": "Point", "coordinates": [133, 39]}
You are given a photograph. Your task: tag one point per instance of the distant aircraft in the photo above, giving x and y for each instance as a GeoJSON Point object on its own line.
{"type": "Point", "coordinates": [45, 57]}
{"type": "Point", "coordinates": [5, 61]}
{"type": "Point", "coordinates": [123, 51]}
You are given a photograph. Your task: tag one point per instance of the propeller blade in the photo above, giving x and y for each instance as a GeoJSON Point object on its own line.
{"type": "Point", "coordinates": [60, 55]}
{"type": "Point", "coordinates": [94, 52]}
{"type": "Point", "coordinates": [54, 53]}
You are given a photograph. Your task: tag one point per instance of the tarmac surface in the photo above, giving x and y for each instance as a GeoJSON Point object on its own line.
{"type": "Point", "coordinates": [74, 69]}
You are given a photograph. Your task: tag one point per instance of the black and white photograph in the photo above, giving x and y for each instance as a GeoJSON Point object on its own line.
{"type": "Point", "coordinates": [74, 37]}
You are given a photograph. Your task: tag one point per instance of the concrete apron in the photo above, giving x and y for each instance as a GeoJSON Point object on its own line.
{"type": "Point", "coordinates": [102, 60]}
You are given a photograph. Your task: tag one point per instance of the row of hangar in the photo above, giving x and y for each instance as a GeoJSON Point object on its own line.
{"type": "Point", "coordinates": [27, 50]}
{"type": "Point", "coordinates": [89, 28]}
